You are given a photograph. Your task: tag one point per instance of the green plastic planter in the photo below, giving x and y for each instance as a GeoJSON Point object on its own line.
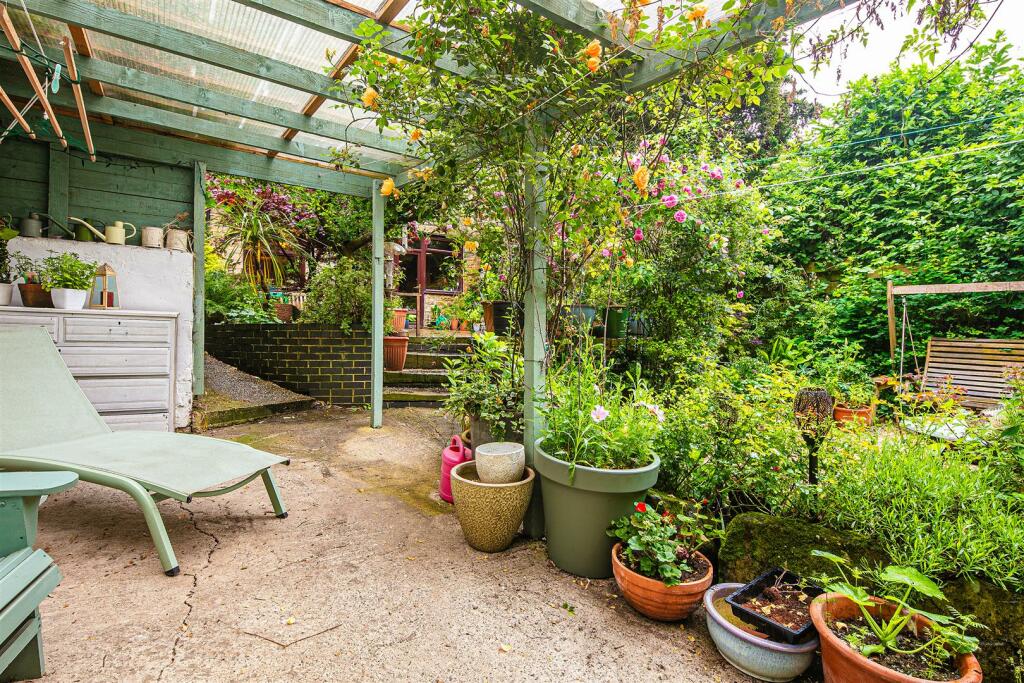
{"type": "Point", "coordinates": [577, 515]}
{"type": "Point", "coordinates": [616, 326]}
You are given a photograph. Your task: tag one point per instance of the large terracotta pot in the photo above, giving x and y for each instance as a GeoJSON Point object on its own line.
{"type": "Point", "coordinates": [865, 415]}
{"type": "Point", "coordinates": [843, 664]}
{"type": "Point", "coordinates": [398, 317]}
{"type": "Point", "coordinates": [34, 296]}
{"type": "Point", "coordinates": [652, 598]}
{"type": "Point", "coordinates": [395, 350]}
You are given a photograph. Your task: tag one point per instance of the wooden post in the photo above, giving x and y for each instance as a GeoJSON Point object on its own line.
{"type": "Point", "coordinates": [535, 332]}
{"type": "Point", "coordinates": [890, 304]}
{"type": "Point", "coordinates": [377, 353]}
{"type": "Point", "coordinates": [199, 270]}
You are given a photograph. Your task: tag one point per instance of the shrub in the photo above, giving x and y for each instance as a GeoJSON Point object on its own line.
{"type": "Point", "coordinates": [487, 384]}
{"type": "Point", "coordinates": [231, 299]}
{"type": "Point", "coordinates": [341, 294]}
{"type": "Point", "coordinates": [927, 505]}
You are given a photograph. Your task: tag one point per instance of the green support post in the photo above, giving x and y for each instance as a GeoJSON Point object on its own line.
{"type": "Point", "coordinates": [377, 355]}
{"type": "Point", "coordinates": [199, 288]}
{"type": "Point", "coordinates": [535, 336]}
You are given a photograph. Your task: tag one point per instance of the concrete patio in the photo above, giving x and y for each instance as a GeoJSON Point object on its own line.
{"type": "Point", "coordinates": [367, 579]}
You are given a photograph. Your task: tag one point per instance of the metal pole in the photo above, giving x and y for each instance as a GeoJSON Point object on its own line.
{"type": "Point", "coordinates": [535, 332]}
{"type": "Point", "coordinates": [377, 353]}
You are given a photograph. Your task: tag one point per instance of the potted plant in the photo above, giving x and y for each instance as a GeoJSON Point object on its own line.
{"type": "Point", "coordinates": [490, 514]}
{"type": "Point", "coordinates": [885, 637]}
{"type": "Point", "coordinates": [7, 233]}
{"type": "Point", "coordinates": [656, 561]}
{"type": "Point", "coordinates": [68, 279]}
{"type": "Point", "coordinates": [486, 385]}
{"type": "Point", "coordinates": [746, 648]}
{"type": "Point", "coordinates": [594, 457]}
{"type": "Point", "coordinates": [777, 603]}
{"type": "Point", "coordinates": [849, 383]}
{"type": "Point", "coordinates": [497, 308]}
{"type": "Point", "coordinates": [31, 289]}
{"type": "Point", "coordinates": [396, 344]}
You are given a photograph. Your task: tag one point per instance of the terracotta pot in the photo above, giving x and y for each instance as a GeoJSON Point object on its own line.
{"type": "Point", "coordinates": [464, 325]}
{"type": "Point", "coordinates": [453, 324]}
{"type": "Point", "coordinates": [34, 296]}
{"type": "Point", "coordinates": [843, 664]}
{"type": "Point", "coordinates": [398, 317]}
{"type": "Point", "coordinates": [285, 312]}
{"type": "Point", "coordinates": [652, 598]}
{"type": "Point", "coordinates": [395, 350]}
{"type": "Point", "coordinates": [843, 414]}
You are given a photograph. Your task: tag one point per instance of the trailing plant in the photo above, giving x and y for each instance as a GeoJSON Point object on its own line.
{"type": "Point", "coordinates": [946, 637]}
{"type": "Point", "coordinates": [487, 384]}
{"type": "Point", "coordinates": [66, 271]}
{"type": "Point", "coordinates": [660, 544]}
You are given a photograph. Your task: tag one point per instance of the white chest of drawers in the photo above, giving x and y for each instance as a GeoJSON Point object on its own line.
{"type": "Point", "coordinates": [123, 360]}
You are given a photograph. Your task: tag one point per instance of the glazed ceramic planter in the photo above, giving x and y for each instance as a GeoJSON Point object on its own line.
{"type": "Point", "coordinates": [652, 598]}
{"type": "Point", "coordinates": [842, 663]}
{"type": "Point", "coordinates": [69, 299]}
{"type": "Point", "coordinates": [578, 510]}
{"type": "Point", "coordinates": [583, 315]}
{"type": "Point", "coordinates": [864, 415]}
{"type": "Point", "coordinates": [395, 351]}
{"type": "Point", "coordinates": [490, 514]}
{"type": "Point", "coordinates": [34, 296]}
{"type": "Point", "coordinates": [6, 292]}
{"type": "Point", "coordinates": [754, 655]}
{"type": "Point", "coordinates": [500, 462]}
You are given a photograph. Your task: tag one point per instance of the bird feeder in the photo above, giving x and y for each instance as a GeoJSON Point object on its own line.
{"type": "Point", "coordinates": [104, 288]}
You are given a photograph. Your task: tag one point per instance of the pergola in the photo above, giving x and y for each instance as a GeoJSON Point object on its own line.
{"type": "Point", "coordinates": [241, 79]}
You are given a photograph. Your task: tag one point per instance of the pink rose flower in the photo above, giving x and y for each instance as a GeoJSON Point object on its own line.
{"type": "Point", "coordinates": [605, 252]}
{"type": "Point", "coordinates": [638, 236]}
{"type": "Point", "coordinates": [670, 200]}
{"type": "Point", "coordinates": [739, 294]}
{"type": "Point", "coordinates": [680, 216]}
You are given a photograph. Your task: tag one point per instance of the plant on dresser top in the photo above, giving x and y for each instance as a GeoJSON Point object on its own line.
{"type": "Point", "coordinates": [68, 279]}
{"type": "Point", "coordinates": [7, 233]}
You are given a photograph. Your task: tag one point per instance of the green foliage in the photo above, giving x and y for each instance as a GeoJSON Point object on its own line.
{"type": "Point", "coordinates": [941, 219]}
{"type": "Point", "coordinates": [730, 438]}
{"type": "Point", "coordinates": [596, 419]}
{"type": "Point", "coordinates": [487, 384]}
{"type": "Point", "coordinates": [230, 299]}
{"type": "Point", "coordinates": [66, 271]}
{"type": "Point", "coordinates": [840, 372]}
{"type": "Point", "coordinates": [341, 294]}
{"type": "Point", "coordinates": [947, 635]}
{"type": "Point", "coordinates": [928, 506]}
{"type": "Point", "coordinates": [659, 544]}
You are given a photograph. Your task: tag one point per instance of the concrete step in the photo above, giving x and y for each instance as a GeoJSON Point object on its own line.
{"type": "Point", "coordinates": [415, 377]}
{"type": "Point", "coordinates": [435, 345]}
{"type": "Point", "coordinates": [402, 397]}
{"type": "Point", "coordinates": [427, 360]}
{"type": "Point", "coordinates": [210, 414]}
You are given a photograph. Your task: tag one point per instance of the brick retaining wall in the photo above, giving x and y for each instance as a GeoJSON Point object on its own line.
{"type": "Point", "coordinates": [315, 360]}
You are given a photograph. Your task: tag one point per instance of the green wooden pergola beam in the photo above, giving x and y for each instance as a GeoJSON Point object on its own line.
{"type": "Point", "coordinates": [93, 69]}
{"type": "Point", "coordinates": [579, 16]}
{"type": "Point", "coordinates": [183, 123]}
{"type": "Point", "coordinates": [344, 23]}
{"type": "Point", "coordinates": [377, 350]}
{"type": "Point", "coordinates": [199, 288]}
{"type": "Point", "coordinates": [184, 44]}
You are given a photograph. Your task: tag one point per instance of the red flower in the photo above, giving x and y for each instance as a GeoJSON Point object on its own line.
{"type": "Point", "coordinates": [666, 513]}
{"type": "Point", "coordinates": [641, 507]}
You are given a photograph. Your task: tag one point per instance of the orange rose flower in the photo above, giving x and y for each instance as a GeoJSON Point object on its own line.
{"type": "Point", "coordinates": [641, 177]}
{"type": "Point", "coordinates": [593, 48]}
{"type": "Point", "coordinates": [594, 63]}
{"type": "Point", "coordinates": [387, 188]}
{"type": "Point", "coordinates": [697, 13]}
{"type": "Point", "coordinates": [370, 97]}
{"type": "Point", "coordinates": [415, 135]}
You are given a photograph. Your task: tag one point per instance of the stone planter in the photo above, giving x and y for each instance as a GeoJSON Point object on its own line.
{"type": "Point", "coordinates": [490, 514]}
{"type": "Point", "coordinates": [842, 663]}
{"type": "Point", "coordinates": [864, 415]}
{"type": "Point", "coordinates": [69, 299]}
{"type": "Point", "coordinates": [33, 296]}
{"type": "Point", "coordinates": [6, 292]}
{"type": "Point", "coordinates": [652, 598]}
{"type": "Point", "coordinates": [500, 462]}
{"type": "Point", "coordinates": [752, 654]}
{"type": "Point", "coordinates": [395, 351]}
{"type": "Point", "coordinates": [577, 513]}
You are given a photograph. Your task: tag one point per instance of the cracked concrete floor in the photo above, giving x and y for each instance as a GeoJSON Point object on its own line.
{"type": "Point", "coordinates": [367, 579]}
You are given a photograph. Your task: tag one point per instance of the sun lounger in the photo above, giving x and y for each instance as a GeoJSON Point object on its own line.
{"type": "Point", "coordinates": [47, 423]}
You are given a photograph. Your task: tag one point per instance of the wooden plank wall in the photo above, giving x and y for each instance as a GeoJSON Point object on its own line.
{"type": "Point", "coordinates": [24, 169]}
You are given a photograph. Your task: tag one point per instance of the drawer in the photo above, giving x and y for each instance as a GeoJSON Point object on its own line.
{"type": "Point", "coordinates": [132, 394]}
{"type": "Point", "coordinates": [50, 322]}
{"type": "Point", "coordinates": [103, 361]}
{"type": "Point", "coordinates": [138, 422]}
{"type": "Point", "coordinates": [96, 328]}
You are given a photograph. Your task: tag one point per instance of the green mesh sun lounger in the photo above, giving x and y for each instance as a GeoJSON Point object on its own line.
{"type": "Point", "coordinates": [47, 423]}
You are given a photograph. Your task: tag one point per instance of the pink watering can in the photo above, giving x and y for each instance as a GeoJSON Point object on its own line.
{"type": "Point", "coordinates": [455, 454]}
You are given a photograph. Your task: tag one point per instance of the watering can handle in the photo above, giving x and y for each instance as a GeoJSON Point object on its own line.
{"type": "Point", "coordinates": [134, 231]}
{"type": "Point", "coordinates": [72, 219]}
{"type": "Point", "coordinates": [457, 444]}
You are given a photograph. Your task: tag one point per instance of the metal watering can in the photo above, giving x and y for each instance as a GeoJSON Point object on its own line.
{"type": "Point", "coordinates": [84, 232]}
{"type": "Point", "coordinates": [455, 454]}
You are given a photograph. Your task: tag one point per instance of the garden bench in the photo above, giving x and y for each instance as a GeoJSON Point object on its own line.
{"type": "Point", "coordinates": [48, 424]}
{"type": "Point", "coordinates": [27, 576]}
{"type": "Point", "coordinates": [977, 367]}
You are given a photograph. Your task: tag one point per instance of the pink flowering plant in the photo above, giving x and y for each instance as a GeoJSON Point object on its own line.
{"type": "Point", "coordinates": [596, 419]}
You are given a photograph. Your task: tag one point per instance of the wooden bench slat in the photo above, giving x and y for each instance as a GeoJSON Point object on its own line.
{"type": "Point", "coordinates": [974, 366]}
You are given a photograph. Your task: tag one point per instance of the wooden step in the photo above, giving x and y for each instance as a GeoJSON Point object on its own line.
{"type": "Point", "coordinates": [428, 360]}
{"type": "Point", "coordinates": [401, 397]}
{"type": "Point", "coordinates": [415, 377]}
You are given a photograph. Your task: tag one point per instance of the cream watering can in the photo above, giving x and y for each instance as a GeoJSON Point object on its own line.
{"type": "Point", "coordinates": [112, 234]}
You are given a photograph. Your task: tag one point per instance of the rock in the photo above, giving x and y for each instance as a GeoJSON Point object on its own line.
{"type": "Point", "coordinates": [755, 542]}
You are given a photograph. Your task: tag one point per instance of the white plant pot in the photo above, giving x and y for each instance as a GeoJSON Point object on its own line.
{"type": "Point", "coordinates": [69, 299]}
{"type": "Point", "coordinates": [500, 462]}
{"type": "Point", "coordinates": [6, 291]}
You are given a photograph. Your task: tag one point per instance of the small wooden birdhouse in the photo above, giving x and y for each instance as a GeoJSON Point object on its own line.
{"type": "Point", "coordinates": [104, 288]}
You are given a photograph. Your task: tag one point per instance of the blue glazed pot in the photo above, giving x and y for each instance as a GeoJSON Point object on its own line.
{"type": "Point", "coordinates": [761, 658]}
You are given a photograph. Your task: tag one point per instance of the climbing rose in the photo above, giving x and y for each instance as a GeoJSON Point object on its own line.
{"type": "Point", "coordinates": [638, 236]}
{"type": "Point", "coordinates": [680, 216]}
{"type": "Point", "coordinates": [704, 167]}
{"type": "Point", "coordinates": [641, 507]}
{"type": "Point", "coordinates": [739, 294]}
{"type": "Point", "coordinates": [739, 184]}
{"type": "Point", "coordinates": [687, 189]}
{"type": "Point", "coordinates": [716, 173]}
{"type": "Point", "coordinates": [605, 253]}
{"type": "Point", "coordinates": [765, 231]}
{"type": "Point", "coordinates": [670, 200]}
{"type": "Point", "coordinates": [369, 98]}
{"type": "Point", "coordinates": [599, 413]}
{"type": "Point", "coordinates": [641, 178]}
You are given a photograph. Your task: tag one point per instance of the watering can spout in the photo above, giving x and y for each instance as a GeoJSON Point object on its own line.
{"type": "Point", "coordinates": [79, 221]}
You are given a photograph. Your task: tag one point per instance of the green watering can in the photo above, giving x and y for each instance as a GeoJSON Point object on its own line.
{"type": "Point", "coordinates": [84, 231]}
